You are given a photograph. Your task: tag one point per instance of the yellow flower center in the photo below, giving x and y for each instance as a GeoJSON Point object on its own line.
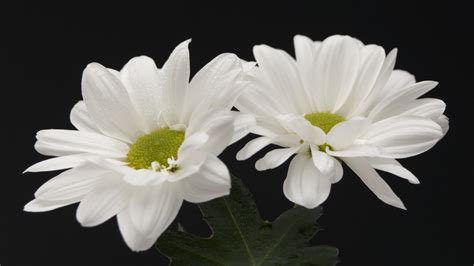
{"type": "Point", "coordinates": [324, 146]}
{"type": "Point", "coordinates": [324, 120]}
{"type": "Point", "coordinates": [157, 146]}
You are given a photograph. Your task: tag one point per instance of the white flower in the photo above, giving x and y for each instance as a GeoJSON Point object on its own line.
{"type": "Point", "coordinates": [340, 101]}
{"type": "Point", "coordinates": [146, 140]}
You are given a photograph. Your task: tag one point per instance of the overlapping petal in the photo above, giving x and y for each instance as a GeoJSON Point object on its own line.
{"type": "Point", "coordinates": [212, 181]}
{"type": "Point", "coordinates": [152, 209]}
{"type": "Point", "coordinates": [403, 136]}
{"type": "Point", "coordinates": [146, 86]}
{"type": "Point", "coordinates": [305, 185]}
{"type": "Point", "coordinates": [109, 105]}
{"type": "Point", "coordinates": [335, 72]}
{"type": "Point", "coordinates": [81, 119]}
{"type": "Point", "coordinates": [371, 179]}
{"type": "Point", "coordinates": [56, 142]}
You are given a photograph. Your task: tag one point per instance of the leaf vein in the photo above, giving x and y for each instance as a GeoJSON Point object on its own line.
{"type": "Point", "coordinates": [252, 260]}
{"type": "Point", "coordinates": [196, 254]}
{"type": "Point", "coordinates": [277, 243]}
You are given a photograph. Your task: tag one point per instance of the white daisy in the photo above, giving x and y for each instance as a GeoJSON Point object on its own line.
{"type": "Point", "coordinates": [339, 101]}
{"type": "Point", "coordinates": [146, 140]}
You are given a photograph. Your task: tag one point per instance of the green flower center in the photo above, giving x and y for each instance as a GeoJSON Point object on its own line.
{"type": "Point", "coordinates": [324, 120]}
{"type": "Point", "coordinates": [156, 146]}
{"type": "Point", "coordinates": [324, 146]}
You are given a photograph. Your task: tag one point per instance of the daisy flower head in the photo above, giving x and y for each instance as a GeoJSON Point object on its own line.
{"type": "Point", "coordinates": [340, 101]}
{"type": "Point", "coordinates": [146, 139]}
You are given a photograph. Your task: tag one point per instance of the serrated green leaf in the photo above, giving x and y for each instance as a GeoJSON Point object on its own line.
{"type": "Point", "coordinates": [241, 237]}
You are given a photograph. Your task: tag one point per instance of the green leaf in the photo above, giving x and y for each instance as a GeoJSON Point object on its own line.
{"type": "Point", "coordinates": [241, 237]}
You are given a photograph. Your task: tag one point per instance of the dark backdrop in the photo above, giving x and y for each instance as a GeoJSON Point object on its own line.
{"type": "Point", "coordinates": [48, 46]}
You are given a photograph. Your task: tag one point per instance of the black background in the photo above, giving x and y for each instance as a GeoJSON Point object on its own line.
{"type": "Point", "coordinates": [48, 45]}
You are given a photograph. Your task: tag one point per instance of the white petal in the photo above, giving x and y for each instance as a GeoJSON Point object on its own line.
{"type": "Point", "coordinates": [38, 205]}
{"type": "Point", "coordinates": [322, 161]}
{"type": "Point", "coordinates": [145, 84]}
{"type": "Point", "coordinates": [399, 79]}
{"type": "Point", "coordinates": [336, 68]}
{"type": "Point", "coordinates": [287, 140]}
{"type": "Point", "coordinates": [152, 209]}
{"type": "Point", "coordinates": [74, 183]}
{"type": "Point", "coordinates": [214, 86]}
{"type": "Point", "coordinates": [371, 179]}
{"type": "Point", "coordinates": [102, 203]}
{"type": "Point", "coordinates": [304, 52]}
{"type": "Point", "coordinates": [192, 143]}
{"type": "Point", "coordinates": [134, 239]}
{"type": "Point", "coordinates": [188, 166]}
{"type": "Point", "coordinates": [57, 163]}
{"type": "Point", "coordinates": [212, 181]}
{"type": "Point", "coordinates": [429, 108]}
{"type": "Point", "coordinates": [176, 70]}
{"type": "Point", "coordinates": [338, 171]}
{"type": "Point", "coordinates": [109, 104]}
{"type": "Point", "coordinates": [248, 66]}
{"type": "Point", "coordinates": [400, 98]}
{"type": "Point", "coordinates": [377, 90]}
{"type": "Point", "coordinates": [218, 125]}
{"type": "Point", "coordinates": [271, 128]}
{"type": "Point", "coordinates": [302, 127]}
{"type": "Point", "coordinates": [385, 73]}
{"type": "Point", "coordinates": [403, 136]}
{"type": "Point", "coordinates": [275, 158]}
{"type": "Point", "coordinates": [223, 97]}
{"type": "Point", "coordinates": [253, 147]}
{"type": "Point", "coordinates": [81, 119]}
{"type": "Point", "coordinates": [256, 101]}
{"type": "Point", "coordinates": [115, 166]}
{"type": "Point", "coordinates": [168, 117]}
{"type": "Point", "coordinates": [426, 107]}
{"type": "Point", "coordinates": [56, 142]}
{"type": "Point", "coordinates": [394, 167]}
{"type": "Point", "coordinates": [372, 58]}
{"type": "Point", "coordinates": [357, 150]}
{"type": "Point", "coordinates": [243, 123]}
{"type": "Point", "coordinates": [344, 134]}
{"type": "Point", "coordinates": [305, 185]}
{"type": "Point", "coordinates": [443, 122]}
{"type": "Point", "coordinates": [281, 71]}
{"type": "Point", "coordinates": [143, 177]}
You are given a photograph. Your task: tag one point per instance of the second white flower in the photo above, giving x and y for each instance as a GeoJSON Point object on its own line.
{"type": "Point", "coordinates": [339, 101]}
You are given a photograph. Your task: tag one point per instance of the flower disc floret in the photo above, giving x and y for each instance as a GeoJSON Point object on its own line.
{"type": "Point", "coordinates": [157, 146]}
